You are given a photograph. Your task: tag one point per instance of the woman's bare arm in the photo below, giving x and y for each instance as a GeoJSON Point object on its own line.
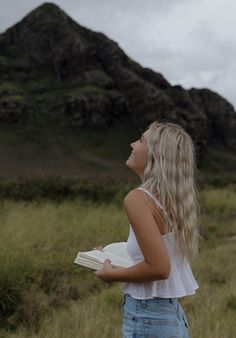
{"type": "Point", "coordinates": [156, 264]}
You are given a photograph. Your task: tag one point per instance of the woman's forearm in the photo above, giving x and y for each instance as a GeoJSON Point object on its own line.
{"type": "Point", "coordinates": [141, 272]}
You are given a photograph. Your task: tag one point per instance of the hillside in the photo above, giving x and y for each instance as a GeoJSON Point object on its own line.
{"type": "Point", "coordinates": [71, 101]}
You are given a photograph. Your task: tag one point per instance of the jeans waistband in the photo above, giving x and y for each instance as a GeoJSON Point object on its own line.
{"type": "Point", "coordinates": [144, 303]}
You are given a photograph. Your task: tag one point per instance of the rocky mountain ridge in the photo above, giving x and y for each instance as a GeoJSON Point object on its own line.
{"type": "Point", "coordinates": [55, 72]}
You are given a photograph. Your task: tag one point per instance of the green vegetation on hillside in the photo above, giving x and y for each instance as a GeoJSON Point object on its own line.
{"type": "Point", "coordinates": [29, 151]}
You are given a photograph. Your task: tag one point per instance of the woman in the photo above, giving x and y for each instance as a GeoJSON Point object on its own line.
{"type": "Point", "coordinates": [163, 236]}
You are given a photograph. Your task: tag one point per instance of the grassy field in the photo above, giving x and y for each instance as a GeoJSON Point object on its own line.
{"type": "Point", "coordinates": [43, 294]}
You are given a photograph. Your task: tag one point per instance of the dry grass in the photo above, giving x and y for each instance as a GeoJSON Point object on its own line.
{"type": "Point", "coordinates": [60, 230]}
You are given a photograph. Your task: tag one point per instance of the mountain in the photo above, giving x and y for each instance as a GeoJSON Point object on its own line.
{"type": "Point", "coordinates": [59, 75]}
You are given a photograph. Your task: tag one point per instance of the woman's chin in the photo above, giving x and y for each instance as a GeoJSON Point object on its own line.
{"type": "Point", "coordinates": [128, 162]}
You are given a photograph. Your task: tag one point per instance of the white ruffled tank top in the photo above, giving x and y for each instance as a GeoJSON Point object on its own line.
{"type": "Point", "coordinates": [180, 282]}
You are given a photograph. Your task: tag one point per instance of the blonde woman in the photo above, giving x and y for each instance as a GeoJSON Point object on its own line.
{"type": "Point", "coordinates": [163, 237]}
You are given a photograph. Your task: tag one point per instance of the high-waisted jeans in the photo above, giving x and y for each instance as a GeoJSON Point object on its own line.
{"type": "Point", "coordinates": [153, 318]}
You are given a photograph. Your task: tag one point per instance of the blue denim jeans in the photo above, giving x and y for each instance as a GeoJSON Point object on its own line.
{"type": "Point", "coordinates": [153, 318]}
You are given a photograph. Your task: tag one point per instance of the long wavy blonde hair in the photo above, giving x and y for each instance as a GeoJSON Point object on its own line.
{"type": "Point", "coordinates": [170, 177]}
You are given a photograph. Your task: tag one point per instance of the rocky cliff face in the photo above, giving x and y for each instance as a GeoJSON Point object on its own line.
{"type": "Point", "coordinates": [54, 71]}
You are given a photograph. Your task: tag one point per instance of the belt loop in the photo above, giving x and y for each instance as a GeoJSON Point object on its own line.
{"type": "Point", "coordinates": [173, 301]}
{"type": "Point", "coordinates": [176, 303]}
{"type": "Point", "coordinates": [143, 303]}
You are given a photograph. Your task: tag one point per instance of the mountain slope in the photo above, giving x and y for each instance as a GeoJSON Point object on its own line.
{"type": "Point", "coordinates": [58, 77]}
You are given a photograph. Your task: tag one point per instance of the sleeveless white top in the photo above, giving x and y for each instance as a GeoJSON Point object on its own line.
{"type": "Point", "coordinates": [180, 282]}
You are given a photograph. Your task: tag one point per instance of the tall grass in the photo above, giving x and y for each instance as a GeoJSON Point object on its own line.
{"type": "Point", "coordinates": [47, 296]}
{"type": "Point", "coordinates": [39, 242]}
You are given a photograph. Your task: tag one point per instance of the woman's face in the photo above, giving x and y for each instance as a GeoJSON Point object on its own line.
{"type": "Point", "coordinates": [137, 160]}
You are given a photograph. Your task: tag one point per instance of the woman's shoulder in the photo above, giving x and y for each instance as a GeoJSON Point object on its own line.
{"type": "Point", "coordinates": [137, 207]}
{"type": "Point", "coordinates": [135, 203]}
{"type": "Point", "coordinates": [133, 195]}
{"type": "Point", "coordinates": [138, 196]}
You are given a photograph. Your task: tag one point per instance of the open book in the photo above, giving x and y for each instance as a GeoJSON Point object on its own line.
{"type": "Point", "coordinates": [116, 252]}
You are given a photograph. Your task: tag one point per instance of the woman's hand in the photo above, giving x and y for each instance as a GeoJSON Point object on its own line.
{"type": "Point", "coordinates": [105, 273]}
{"type": "Point", "coordinates": [98, 247]}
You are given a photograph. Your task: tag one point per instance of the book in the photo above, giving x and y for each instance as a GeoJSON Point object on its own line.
{"type": "Point", "coordinates": [94, 259]}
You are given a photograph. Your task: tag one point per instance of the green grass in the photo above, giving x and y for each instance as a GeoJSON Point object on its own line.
{"type": "Point", "coordinates": [38, 245]}
{"type": "Point", "coordinates": [44, 295]}
{"type": "Point", "coordinates": [219, 212]}
{"type": "Point", "coordinates": [10, 88]}
{"type": "Point", "coordinates": [14, 98]}
{"type": "Point", "coordinates": [218, 159]}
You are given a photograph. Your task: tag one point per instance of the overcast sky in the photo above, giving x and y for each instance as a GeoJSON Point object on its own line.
{"type": "Point", "coordinates": [191, 42]}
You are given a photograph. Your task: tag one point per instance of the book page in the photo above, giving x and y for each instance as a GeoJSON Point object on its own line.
{"type": "Point", "coordinates": [116, 252]}
{"type": "Point", "coordinates": [97, 255]}
{"type": "Point", "coordinates": [118, 249]}
{"type": "Point", "coordinates": [86, 262]}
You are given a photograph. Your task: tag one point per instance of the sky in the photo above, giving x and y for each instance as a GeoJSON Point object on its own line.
{"type": "Point", "coordinates": [191, 43]}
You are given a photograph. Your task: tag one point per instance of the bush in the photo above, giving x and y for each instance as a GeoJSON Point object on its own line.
{"type": "Point", "coordinates": [59, 188]}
